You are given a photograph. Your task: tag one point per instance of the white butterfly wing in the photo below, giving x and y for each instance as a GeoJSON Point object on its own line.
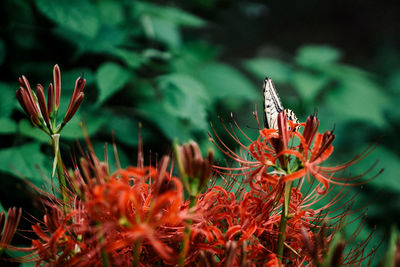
{"type": "Point", "coordinates": [273, 106]}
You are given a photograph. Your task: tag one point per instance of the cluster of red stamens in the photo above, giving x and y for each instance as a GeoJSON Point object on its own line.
{"type": "Point", "coordinates": [265, 212]}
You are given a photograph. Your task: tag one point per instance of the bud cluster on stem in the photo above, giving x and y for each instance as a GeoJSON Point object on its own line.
{"type": "Point", "coordinates": [42, 113]}
{"type": "Point", "coordinates": [44, 116]}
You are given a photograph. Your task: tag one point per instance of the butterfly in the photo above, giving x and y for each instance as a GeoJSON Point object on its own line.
{"type": "Point", "coordinates": [273, 106]}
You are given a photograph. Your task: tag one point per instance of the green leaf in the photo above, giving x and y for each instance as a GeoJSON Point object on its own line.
{"type": "Point", "coordinates": [356, 97]}
{"type": "Point", "coordinates": [313, 56]}
{"type": "Point", "coordinates": [221, 80]}
{"type": "Point", "coordinates": [73, 129]}
{"type": "Point", "coordinates": [277, 70]}
{"type": "Point", "coordinates": [2, 52]}
{"type": "Point", "coordinates": [393, 83]}
{"type": "Point", "coordinates": [25, 128]}
{"type": "Point", "coordinates": [194, 55]}
{"type": "Point", "coordinates": [8, 126]}
{"type": "Point", "coordinates": [21, 13]}
{"type": "Point", "coordinates": [69, 78]}
{"type": "Point", "coordinates": [125, 129]}
{"type": "Point", "coordinates": [111, 12]}
{"type": "Point", "coordinates": [105, 41]}
{"type": "Point", "coordinates": [186, 98]}
{"type": "Point", "coordinates": [171, 126]}
{"type": "Point", "coordinates": [76, 15]}
{"type": "Point", "coordinates": [389, 161]}
{"type": "Point", "coordinates": [22, 161]}
{"type": "Point", "coordinates": [171, 14]}
{"type": "Point", "coordinates": [163, 31]}
{"type": "Point", "coordinates": [151, 53]}
{"type": "Point", "coordinates": [309, 85]}
{"type": "Point", "coordinates": [131, 58]}
{"type": "Point", "coordinates": [8, 99]}
{"type": "Point", "coordinates": [110, 79]}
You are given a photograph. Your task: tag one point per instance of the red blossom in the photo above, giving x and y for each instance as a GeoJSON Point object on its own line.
{"type": "Point", "coordinates": [8, 226]}
{"type": "Point", "coordinates": [139, 215]}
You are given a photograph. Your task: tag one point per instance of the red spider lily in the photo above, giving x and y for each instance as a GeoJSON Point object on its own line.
{"type": "Point", "coordinates": [137, 208]}
{"type": "Point", "coordinates": [143, 208]}
{"type": "Point", "coordinates": [273, 261]}
{"type": "Point", "coordinates": [138, 216]}
{"type": "Point", "coordinates": [43, 115]}
{"type": "Point", "coordinates": [276, 159]}
{"type": "Point", "coordinates": [272, 150]}
{"type": "Point", "coordinates": [10, 226]}
{"type": "Point", "coordinates": [315, 149]}
{"type": "Point", "coordinates": [139, 213]}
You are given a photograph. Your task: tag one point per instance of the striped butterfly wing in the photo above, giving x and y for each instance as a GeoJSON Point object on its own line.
{"type": "Point", "coordinates": [291, 116]}
{"type": "Point", "coordinates": [273, 106]}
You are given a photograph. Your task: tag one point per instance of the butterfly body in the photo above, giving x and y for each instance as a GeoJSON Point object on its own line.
{"type": "Point", "coordinates": [273, 106]}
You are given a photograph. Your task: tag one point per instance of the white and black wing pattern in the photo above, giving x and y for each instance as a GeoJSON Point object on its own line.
{"type": "Point", "coordinates": [273, 106]}
{"type": "Point", "coordinates": [291, 116]}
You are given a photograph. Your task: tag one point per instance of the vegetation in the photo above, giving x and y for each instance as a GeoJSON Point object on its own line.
{"type": "Point", "coordinates": [175, 68]}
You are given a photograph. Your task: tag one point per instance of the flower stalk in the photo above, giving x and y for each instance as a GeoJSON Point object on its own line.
{"type": "Point", "coordinates": [136, 253]}
{"type": "Point", "coordinates": [284, 218]}
{"type": "Point", "coordinates": [186, 234]}
{"type": "Point", "coordinates": [104, 257]}
{"type": "Point", "coordinates": [58, 164]}
{"type": "Point", "coordinates": [195, 172]}
{"type": "Point", "coordinates": [281, 145]}
{"type": "Point", "coordinates": [43, 114]}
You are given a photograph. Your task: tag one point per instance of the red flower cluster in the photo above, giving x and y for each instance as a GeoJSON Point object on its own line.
{"type": "Point", "coordinates": [138, 215]}
{"type": "Point", "coordinates": [291, 154]}
{"type": "Point", "coordinates": [265, 212]}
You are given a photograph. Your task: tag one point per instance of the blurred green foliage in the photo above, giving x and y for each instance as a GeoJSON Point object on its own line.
{"type": "Point", "coordinates": [168, 69]}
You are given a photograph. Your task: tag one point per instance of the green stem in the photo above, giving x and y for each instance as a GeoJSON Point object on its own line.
{"type": "Point", "coordinates": [136, 253]}
{"type": "Point", "coordinates": [60, 168]}
{"type": "Point", "coordinates": [284, 218]}
{"type": "Point", "coordinates": [186, 237]}
{"type": "Point", "coordinates": [103, 253]}
{"type": "Point", "coordinates": [104, 258]}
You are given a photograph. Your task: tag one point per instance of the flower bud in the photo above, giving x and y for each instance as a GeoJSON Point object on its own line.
{"type": "Point", "coordinates": [195, 170]}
